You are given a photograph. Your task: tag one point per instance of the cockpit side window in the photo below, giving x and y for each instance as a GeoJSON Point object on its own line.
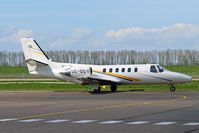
{"type": "Point", "coordinates": [161, 68]}
{"type": "Point", "coordinates": [153, 69]}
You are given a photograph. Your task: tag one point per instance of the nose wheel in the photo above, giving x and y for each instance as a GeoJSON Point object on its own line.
{"type": "Point", "coordinates": [172, 89]}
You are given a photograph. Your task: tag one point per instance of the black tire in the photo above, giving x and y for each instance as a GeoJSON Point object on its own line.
{"type": "Point", "coordinates": [113, 88]}
{"type": "Point", "coordinates": [97, 90]}
{"type": "Point", "coordinates": [172, 89]}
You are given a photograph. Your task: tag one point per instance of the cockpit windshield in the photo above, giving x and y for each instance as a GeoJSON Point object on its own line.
{"type": "Point", "coordinates": [161, 68]}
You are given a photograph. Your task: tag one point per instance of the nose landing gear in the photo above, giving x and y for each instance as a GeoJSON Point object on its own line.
{"type": "Point", "coordinates": [172, 89]}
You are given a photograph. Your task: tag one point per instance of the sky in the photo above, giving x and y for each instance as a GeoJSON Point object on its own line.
{"type": "Point", "coordinates": [100, 24]}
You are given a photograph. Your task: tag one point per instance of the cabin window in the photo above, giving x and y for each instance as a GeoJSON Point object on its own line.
{"type": "Point", "coordinates": [153, 69]}
{"type": "Point", "coordinates": [104, 70]}
{"type": "Point", "coordinates": [110, 70]}
{"type": "Point", "coordinates": [129, 69]}
{"type": "Point", "coordinates": [117, 70]}
{"type": "Point", "coordinates": [136, 69]}
{"type": "Point", "coordinates": [123, 69]}
{"type": "Point", "coordinates": [91, 70]}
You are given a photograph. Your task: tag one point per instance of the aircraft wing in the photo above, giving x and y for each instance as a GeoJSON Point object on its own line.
{"type": "Point", "coordinates": [91, 80]}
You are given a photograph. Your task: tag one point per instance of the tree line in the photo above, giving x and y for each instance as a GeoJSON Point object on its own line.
{"type": "Point", "coordinates": [110, 57]}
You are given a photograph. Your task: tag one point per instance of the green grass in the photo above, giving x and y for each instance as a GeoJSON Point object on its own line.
{"type": "Point", "coordinates": [190, 70]}
{"type": "Point", "coordinates": [194, 85]}
{"type": "Point", "coordinates": [8, 72]}
{"type": "Point", "coordinates": [13, 70]}
{"type": "Point", "coordinates": [30, 80]}
{"type": "Point", "coordinates": [43, 87]}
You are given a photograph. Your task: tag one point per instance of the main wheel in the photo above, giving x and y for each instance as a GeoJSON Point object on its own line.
{"type": "Point", "coordinates": [172, 89]}
{"type": "Point", "coordinates": [97, 90]}
{"type": "Point", "coordinates": [113, 88]}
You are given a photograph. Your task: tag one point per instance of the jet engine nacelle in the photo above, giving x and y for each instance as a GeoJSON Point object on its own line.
{"type": "Point", "coordinates": [84, 72]}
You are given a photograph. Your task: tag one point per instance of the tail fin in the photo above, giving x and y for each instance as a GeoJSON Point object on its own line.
{"type": "Point", "coordinates": [34, 55]}
{"type": "Point", "coordinates": [33, 51]}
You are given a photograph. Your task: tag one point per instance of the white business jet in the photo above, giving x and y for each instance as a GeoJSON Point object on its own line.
{"type": "Point", "coordinates": [39, 64]}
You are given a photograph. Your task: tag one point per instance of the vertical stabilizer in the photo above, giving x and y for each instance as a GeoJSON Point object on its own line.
{"type": "Point", "coordinates": [32, 51]}
{"type": "Point", "coordinates": [35, 57]}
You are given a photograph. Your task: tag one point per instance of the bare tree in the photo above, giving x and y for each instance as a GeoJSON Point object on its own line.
{"type": "Point", "coordinates": [164, 57]}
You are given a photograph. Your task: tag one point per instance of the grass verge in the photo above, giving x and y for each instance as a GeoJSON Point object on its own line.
{"type": "Point", "coordinates": [191, 86]}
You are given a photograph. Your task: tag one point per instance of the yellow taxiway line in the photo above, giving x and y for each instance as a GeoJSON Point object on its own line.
{"type": "Point", "coordinates": [101, 108]}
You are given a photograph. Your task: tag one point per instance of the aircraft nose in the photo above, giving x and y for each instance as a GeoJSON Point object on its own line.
{"type": "Point", "coordinates": [185, 78]}
{"type": "Point", "coordinates": [182, 78]}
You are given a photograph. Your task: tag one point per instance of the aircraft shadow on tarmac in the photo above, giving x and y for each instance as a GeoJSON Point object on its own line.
{"type": "Point", "coordinates": [109, 92]}
{"type": "Point", "coordinates": [106, 92]}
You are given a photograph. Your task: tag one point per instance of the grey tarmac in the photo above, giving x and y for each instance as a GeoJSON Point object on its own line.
{"type": "Point", "coordinates": [104, 112]}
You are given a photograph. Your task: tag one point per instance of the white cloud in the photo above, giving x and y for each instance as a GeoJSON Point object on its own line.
{"type": "Point", "coordinates": [14, 37]}
{"type": "Point", "coordinates": [173, 34]}
{"type": "Point", "coordinates": [5, 31]}
{"type": "Point", "coordinates": [81, 33]}
{"type": "Point", "coordinates": [96, 44]}
{"type": "Point", "coordinates": [76, 38]}
{"type": "Point", "coordinates": [167, 37]}
{"type": "Point", "coordinates": [9, 38]}
{"type": "Point", "coordinates": [62, 43]}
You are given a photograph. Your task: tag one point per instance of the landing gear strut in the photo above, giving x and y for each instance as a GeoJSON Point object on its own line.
{"type": "Point", "coordinates": [96, 88]}
{"type": "Point", "coordinates": [113, 88]}
{"type": "Point", "coordinates": [172, 89]}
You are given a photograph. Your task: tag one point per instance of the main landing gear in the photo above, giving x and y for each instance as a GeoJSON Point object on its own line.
{"type": "Point", "coordinates": [97, 88]}
{"type": "Point", "coordinates": [113, 88]}
{"type": "Point", "coordinates": [172, 89]}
